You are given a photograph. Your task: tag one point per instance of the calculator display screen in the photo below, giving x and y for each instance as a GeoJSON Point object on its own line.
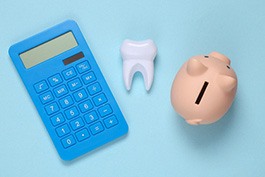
{"type": "Point", "coordinates": [48, 50]}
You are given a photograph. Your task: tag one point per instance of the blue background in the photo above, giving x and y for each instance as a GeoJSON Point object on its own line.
{"type": "Point", "coordinates": [159, 142]}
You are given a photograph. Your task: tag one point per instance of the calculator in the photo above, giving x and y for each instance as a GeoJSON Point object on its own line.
{"type": "Point", "coordinates": [68, 89]}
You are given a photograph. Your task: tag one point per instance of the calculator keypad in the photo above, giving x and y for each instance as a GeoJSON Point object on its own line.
{"type": "Point", "coordinates": [96, 128]}
{"type": "Point", "coordinates": [105, 110]}
{"type": "Point", "coordinates": [68, 141]}
{"type": "Point", "coordinates": [76, 104]}
{"type": "Point", "coordinates": [71, 113]}
{"type": "Point", "coordinates": [63, 130]}
{"type": "Point", "coordinates": [100, 99]}
{"type": "Point", "coordinates": [80, 95]}
{"type": "Point", "coordinates": [46, 97]}
{"type": "Point", "coordinates": [55, 80]}
{"type": "Point", "coordinates": [110, 121]}
{"type": "Point", "coordinates": [91, 117]}
{"type": "Point", "coordinates": [52, 108]}
{"type": "Point", "coordinates": [76, 124]}
{"type": "Point", "coordinates": [69, 73]}
{"type": "Point", "coordinates": [82, 135]}
{"type": "Point", "coordinates": [57, 119]}
{"type": "Point", "coordinates": [83, 67]}
{"type": "Point", "coordinates": [85, 106]}
{"type": "Point", "coordinates": [94, 88]}
{"type": "Point", "coordinates": [65, 102]}
{"type": "Point", "coordinates": [89, 78]}
{"type": "Point", "coordinates": [74, 84]}
{"type": "Point", "coordinates": [41, 86]}
{"type": "Point", "coordinates": [60, 91]}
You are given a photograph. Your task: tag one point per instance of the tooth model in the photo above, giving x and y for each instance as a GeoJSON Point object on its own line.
{"type": "Point", "coordinates": [204, 88]}
{"type": "Point", "coordinates": [138, 56]}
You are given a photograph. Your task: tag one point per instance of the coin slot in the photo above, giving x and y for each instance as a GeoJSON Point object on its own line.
{"type": "Point", "coordinates": [204, 87]}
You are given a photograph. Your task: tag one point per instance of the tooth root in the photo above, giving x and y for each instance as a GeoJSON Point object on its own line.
{"type": "Point", "coordinates": [148, 74]}
{"type": "Point", "coordinates": [127, 76]}
{"type": "Point", "coordinates": [138, 57]}
{"type": "Point", "coordinates": [146, 68]}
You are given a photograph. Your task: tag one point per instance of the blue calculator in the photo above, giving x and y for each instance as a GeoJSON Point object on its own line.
{"type": "Point", "coordinates": [68, 89]}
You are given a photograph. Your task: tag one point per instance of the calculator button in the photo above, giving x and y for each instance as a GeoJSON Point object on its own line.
{"type": "Point", "coordinates": [93, 89]}
{"type": "Point", "coordinates": [99, 99]}
{"type": "Point", "coordinates": [55, 80]}
{"type": "Point", "coordinates": [83, 67]}
{"type": "Point", "coordinates": [110, 121]}
{"type": "Point", "coordinates": [63, 130]}
{"type": "Point", "coordinates": [41, 86]}
{"type": "Point", "coordinates": [80, 95]}
{"type": "Point", "coordinates": [68, 141]}
{"type": "Point", "coordinates": [77, 123]}
{"type": "Point", "coordinates": [46, 97]}
{"type": "Point", "coordinates": [52, 108]}
{"type": "Point", "coordinates": [60, 91]}
{"type": "Point", "coordinates": [91, 117]}
{"type": "Point", "coordinates": [89, 77]}
{"type": "Point", "coordinates": [96, 128]}
{"type": "Point", "coordinates": [69, 73]}
{"type": "Point", "coordinates": [74, 84]}
{"type": "Point", "coordinates": [85, 106]}
{"type": "Point", "coordinates": [65, 102]}
{"type": "Point", "coordinates": [105, 110]}
{"type": "Point", "coordinates": [71, 113]}
{"type": "Point", "coordinates": [82, 135]}
{"type": "Point", "coordinates": [58, 119]}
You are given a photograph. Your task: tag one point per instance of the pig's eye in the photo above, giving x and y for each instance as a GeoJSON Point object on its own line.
{"type": "Point", "coordinates": [206, 56]}
{"type": "Point", "coordinates": [228, 66]}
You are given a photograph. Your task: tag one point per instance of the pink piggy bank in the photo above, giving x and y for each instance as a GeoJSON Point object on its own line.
{"type": "Point", "coordinates": [204, 88]}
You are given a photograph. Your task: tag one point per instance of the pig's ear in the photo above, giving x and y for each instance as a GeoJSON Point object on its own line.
{"type": "Point", "coordinates": [220, 57]}
{"type": "Point", "coordinates": [195, 67]}
{"type": "Point", "coordinates": [227, 83]}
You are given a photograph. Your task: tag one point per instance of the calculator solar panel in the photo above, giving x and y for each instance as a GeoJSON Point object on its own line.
{"type": "Point", "coordinates": [68, 89]}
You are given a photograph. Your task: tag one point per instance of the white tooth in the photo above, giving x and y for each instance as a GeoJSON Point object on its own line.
{"type": "Point", "coordinates": [138, 56]}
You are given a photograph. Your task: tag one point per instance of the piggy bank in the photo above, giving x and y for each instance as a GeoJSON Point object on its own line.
{"type": "Point", "coordinates": [204, 88]}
